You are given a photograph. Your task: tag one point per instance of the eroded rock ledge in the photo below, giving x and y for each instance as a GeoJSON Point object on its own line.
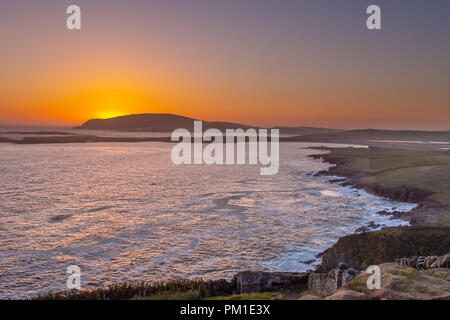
{"type": "Point", "coordinates": [386, 245]}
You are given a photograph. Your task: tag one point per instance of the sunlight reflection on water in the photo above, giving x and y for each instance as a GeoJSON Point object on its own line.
{"type": "Point", "coordinates": [125, 212]}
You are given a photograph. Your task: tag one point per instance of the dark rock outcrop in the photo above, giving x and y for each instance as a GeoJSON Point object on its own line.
{"type": "Point", "coordinates": [397, 193]}
{"type": "Point", "coordinates": [386, 245]}
{"type": "Point", "coordinates": [369, 227]}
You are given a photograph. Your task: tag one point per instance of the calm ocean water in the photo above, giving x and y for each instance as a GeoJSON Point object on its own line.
{"type": "Point", "coordinates": [125, 212]}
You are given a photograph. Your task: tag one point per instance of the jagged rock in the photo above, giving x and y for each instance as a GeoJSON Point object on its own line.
{"type": "Point", "coordinates": [399, 193]}
{"type": "Point", "coordinates": [340, 180]}
{"type": "Point", "coordinates": [309, 261]}
{"type": "Point", "coordinates": [393, 214]}
{"type": "Point", "coordinates": [370, 226]}
{"type": "Point", "coordinates": [373, 225]}
{"type": "Point", "coordinates": [254, 281]}
{"type": "Point", "coordinates": [362, 229]}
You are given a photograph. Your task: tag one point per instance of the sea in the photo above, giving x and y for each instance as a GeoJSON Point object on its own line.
{"type": "Point", "coordinates": [125, 212]}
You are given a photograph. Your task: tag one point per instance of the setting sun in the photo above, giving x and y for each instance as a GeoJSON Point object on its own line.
{"type": "Point", "coordinates": [101, 104]}
{"type": "Point", "coordinates": [110, 114]}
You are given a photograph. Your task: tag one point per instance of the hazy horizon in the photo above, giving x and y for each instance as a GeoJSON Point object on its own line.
{"type": "Point", "coordinates": [37, 126]}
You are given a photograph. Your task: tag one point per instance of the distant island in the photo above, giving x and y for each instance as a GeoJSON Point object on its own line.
{"type": "Point", "coordinates": [165, 122]}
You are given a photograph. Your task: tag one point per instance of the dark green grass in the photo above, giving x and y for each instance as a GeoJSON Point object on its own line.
{"type": "Point", "coordinates": [174, 289]}
{"type": "Point", "coordinates": [429, 170]}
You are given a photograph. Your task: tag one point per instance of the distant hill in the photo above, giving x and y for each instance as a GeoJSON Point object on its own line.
{"type": "Point", "coordinates": [151, 122]}
{"type": "Point", "coordinates": [156, 122]}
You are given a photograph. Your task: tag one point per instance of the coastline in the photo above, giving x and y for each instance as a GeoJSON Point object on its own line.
{"type": "Point", "coordinates": [428, 233]}
{"type": "Point", "coordinates": [427, 208]}
{"type": "Point", "coordinates": [347, 179]}
{"type": "Point", "coordinates": [351, 179]}
{"type": "Point", "coordinates": [387, 216]}
{"type": "Point", "coordinates": [348, 246]}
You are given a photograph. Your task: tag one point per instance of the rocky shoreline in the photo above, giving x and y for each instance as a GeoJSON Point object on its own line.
{"type": "Point", "coordinates": [424, 240]}
{"type": "Point", "coordinates": [422, 215]}
{"type": "Point", "coordinates": [419, 216]}
{"type": "Point", "coordinates": [386, 245]}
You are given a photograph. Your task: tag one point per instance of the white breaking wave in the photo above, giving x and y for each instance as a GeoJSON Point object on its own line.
{"type": "Point", "coordinates": [124, 212]}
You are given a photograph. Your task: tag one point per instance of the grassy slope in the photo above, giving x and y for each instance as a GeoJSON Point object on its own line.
{"type": "Point", "coordinates": [421, 169]}
{"type": "Point", "coordinates": [404, 283]}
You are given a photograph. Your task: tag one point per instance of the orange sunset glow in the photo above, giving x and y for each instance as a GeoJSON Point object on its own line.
{"type": "Point", "coordinates": [265, 68]}
{"type": "Point", "coordinates": [100, 104]}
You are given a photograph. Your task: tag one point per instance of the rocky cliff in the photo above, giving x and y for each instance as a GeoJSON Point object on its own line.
{"type": "Point", "coordinates": [386, 245]}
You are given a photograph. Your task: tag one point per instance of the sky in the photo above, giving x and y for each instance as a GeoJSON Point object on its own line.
{"type": "Point", "coordinates": [259, 62]}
